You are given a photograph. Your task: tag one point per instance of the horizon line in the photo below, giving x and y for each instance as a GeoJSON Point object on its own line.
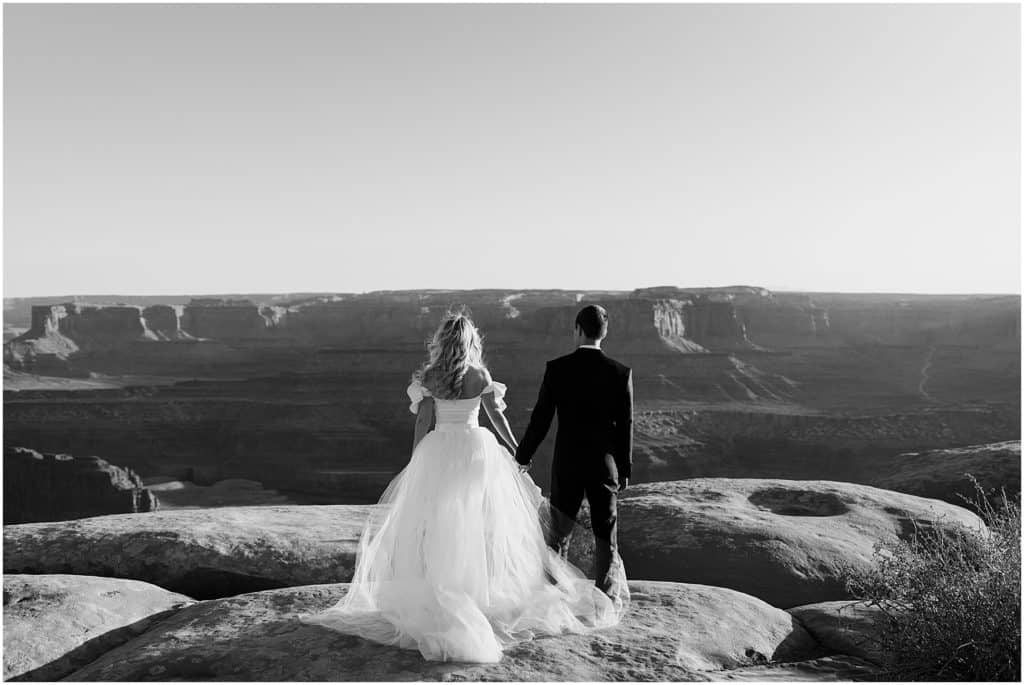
{"type": "Point", "coordinates": [73, 296]}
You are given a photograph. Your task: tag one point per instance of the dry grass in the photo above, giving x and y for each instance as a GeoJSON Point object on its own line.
{"type": "Point", "coordinates": [951, 600]}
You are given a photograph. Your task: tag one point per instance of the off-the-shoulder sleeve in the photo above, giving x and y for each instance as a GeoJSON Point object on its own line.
{"type": "Point", "coordinates": [499, 393]}
{"type": "Point", "coordinates": [416, 393]}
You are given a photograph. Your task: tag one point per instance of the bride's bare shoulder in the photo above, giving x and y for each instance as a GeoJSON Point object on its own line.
{"type": "Point", "coordinates": [476, 379]}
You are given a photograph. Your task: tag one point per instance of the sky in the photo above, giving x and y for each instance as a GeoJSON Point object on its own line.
{"type": "Point", "coordinates": [215, 148]}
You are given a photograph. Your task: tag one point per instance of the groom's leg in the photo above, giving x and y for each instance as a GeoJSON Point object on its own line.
{"type": "Point", "coordinates": [602, 494]}
{"type": "Point", "coordinates": [566, 499]}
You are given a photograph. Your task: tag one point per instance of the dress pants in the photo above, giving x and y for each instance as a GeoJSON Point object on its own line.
{"type": "Point", "coordinates": [570, 483]}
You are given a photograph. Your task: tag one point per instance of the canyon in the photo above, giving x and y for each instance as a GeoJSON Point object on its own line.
{"type": "Point", "coordinates": [305, 393]}
{"type": "Point", "coordinates": [246, 436]}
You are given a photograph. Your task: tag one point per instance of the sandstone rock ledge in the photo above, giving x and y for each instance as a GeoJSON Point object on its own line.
{"type": "Point", "coordinates": [203, 553]}
{"type": "Point", "coordinates": [55, 624]}
{"type": "Point", "coordinates": [784, 541]}
{"type": "Point", "coordinates": [942, 473]}
{"type": "Point", "coordinates": [672, 632]}
{"type": "Point", "coordinates": [847, 627]}
{"type": "Point", "coordinates": [835, 668]}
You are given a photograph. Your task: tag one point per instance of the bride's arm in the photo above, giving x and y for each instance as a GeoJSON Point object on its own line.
{"type": "Point", "coordinates": [424, 420]}
{"type": "Point", "coordinates": [498, 420]}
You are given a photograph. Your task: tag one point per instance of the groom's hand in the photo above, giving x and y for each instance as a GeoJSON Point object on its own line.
{"type": "Point", "coordinates": [623, 482]}
{"type": "Point", "coordinates": [523, 468]}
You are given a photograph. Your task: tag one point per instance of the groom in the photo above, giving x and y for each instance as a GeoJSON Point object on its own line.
{"type": "Point", "coordinates": [593, 395]}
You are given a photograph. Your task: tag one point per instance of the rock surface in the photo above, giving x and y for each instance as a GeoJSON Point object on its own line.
{"type": "Point", "coordinates": [845, 627]}
{"type": "Point", "coordinates": [199, 552]}
{"type": "Point", "coordinates": [835, 668]}
{"type": "Point", "coordinates": [671, 632]}
{"type": "Point", "coordinates": [55, 624]}
{"type": "Point", "coordinates": [55, 487]}
{"type": "Point", "coordinates": [784, 541]}
{"type": "Point", "coordinates": [942, 473]}
{"type": "Point", "coordinates": [179, 494]}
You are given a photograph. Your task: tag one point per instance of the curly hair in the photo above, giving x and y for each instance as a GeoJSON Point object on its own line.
{"type": "Point", "coordinates": [454, 348]}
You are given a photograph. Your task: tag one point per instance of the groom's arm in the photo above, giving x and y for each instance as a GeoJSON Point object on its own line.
{"type": "Point", "coordinates": [540, 420]}
{"type": "Point", "coordinates": [624, 430]}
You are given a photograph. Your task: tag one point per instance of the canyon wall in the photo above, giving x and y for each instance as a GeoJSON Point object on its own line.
{"type": "Point", "coordinates": [163, 322]}
{"type": "Point", "coordinates": [223, 319]}
{"type": "Point", "coordinates": [60, 331]}
{"type": "Point", "coordinates": [654, 320]}
{"type": "Point", "coordinates": [55, 487]}
{"type": "Point", "coordinates": [810, 319]}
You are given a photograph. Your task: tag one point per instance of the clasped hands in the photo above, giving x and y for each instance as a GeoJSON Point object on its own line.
{"type": "Point", "coordinates": [523, 468]}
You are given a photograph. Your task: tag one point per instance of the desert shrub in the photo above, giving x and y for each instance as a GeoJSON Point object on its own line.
{"type": "Point", "coordinates": [950, 598]}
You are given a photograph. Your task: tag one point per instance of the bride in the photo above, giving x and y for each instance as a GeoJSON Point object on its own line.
{"type": "Point", "coordinates": [453, 560]}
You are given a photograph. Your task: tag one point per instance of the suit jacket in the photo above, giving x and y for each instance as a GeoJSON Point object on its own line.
{"type": "Point", "coordinates": [593, 395]}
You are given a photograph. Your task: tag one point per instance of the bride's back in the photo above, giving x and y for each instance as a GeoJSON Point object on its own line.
{"type": "Point", "coordinates": [473, 383]}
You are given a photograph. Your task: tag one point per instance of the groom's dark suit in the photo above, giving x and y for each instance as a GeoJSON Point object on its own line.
{"type": "Point", "coordinates": [593, 395]}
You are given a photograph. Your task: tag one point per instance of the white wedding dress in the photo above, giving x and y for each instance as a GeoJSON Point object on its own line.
{"type": "Point", "coordinates": [453, 561]}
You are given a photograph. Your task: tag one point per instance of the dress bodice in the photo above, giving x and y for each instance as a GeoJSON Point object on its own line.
{"type": "Point", "coordinates": [454, 414]}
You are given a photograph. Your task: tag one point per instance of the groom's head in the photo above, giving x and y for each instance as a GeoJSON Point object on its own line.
{"type": "Point", "coordinates": [591, 324]}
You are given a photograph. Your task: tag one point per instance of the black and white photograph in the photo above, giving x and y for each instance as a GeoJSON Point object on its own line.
{"type": "Point", "coordinates": [516, 342]}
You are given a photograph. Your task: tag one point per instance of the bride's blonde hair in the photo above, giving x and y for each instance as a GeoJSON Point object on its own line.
{"type": "Point", "coordinates": [454, 348]}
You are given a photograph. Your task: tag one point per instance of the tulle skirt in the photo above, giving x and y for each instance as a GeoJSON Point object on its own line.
{"type": "Point", "coordinates": [453, 560]}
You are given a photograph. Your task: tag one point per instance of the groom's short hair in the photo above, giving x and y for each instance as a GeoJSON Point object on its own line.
{"type": "Point", "coordinates": [593, 321]}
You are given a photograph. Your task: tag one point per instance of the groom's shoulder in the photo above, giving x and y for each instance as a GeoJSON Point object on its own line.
{"type": "Point", "coordinates": [560, 361]}
{"type": "Point", "coordinates": [619, 366]}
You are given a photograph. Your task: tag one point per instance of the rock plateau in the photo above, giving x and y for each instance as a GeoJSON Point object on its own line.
{"type": "Point", "coordinates": [55, 487]}
{"type": "Point", "coordinates": [56, 624]}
